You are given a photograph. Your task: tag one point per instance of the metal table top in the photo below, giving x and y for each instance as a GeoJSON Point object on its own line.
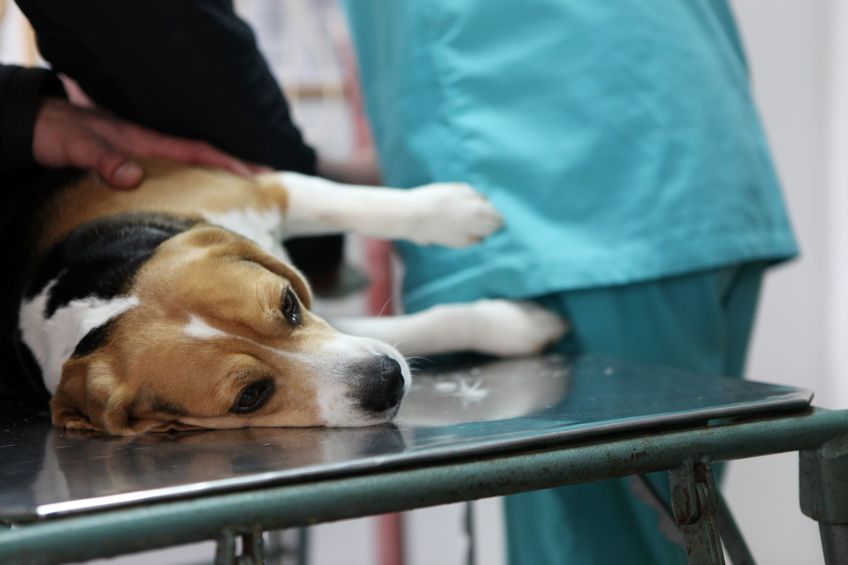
{"type": "Point", "coordinates": [478, 408]}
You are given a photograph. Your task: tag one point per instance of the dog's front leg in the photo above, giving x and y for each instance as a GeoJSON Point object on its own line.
{"type": "Point", "coordinates": [495, 327]}
{"type": "Point", "coordinates": [450, 214]}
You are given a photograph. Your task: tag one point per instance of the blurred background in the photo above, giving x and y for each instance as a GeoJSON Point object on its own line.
{"type": "Point", "coordinates": [798, 54]}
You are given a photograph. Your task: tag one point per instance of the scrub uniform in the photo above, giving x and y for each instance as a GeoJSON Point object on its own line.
{"type": "Point", "coordinates": [621, 143]}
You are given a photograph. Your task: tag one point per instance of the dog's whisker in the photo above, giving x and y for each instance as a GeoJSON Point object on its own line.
{"type": "Point", "coordinates": [386, 304]}
{"type": "Point", "coordinates": [417, 358]}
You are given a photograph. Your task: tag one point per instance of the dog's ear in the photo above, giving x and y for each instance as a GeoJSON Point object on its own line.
{"type": "Point", "coordinates": [89, 397]}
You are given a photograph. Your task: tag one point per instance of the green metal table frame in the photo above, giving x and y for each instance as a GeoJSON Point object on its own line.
{"type": "Point", "coordinates": [821, 437]}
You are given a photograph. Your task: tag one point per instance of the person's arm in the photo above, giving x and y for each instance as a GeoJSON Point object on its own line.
{"type": "Point", "coordinates": [39, 127]}
{"type": "Point", "coordinates": [66, 135]}
{"type": "Point", "coordinates": [21, 92]}
{"type": "Point", "coordinates": [189, 68]}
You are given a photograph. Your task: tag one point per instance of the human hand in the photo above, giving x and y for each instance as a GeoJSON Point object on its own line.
{"type": "Point", "coordinates": [72, 136]}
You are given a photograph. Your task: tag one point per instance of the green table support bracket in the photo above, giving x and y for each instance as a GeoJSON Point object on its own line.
{"type": "Point", "coordinates": [694, 500]}
{"type": "Point", "coordinates": [728, 530]}
{"type": "Point", "coordinates": [823, 481]}
{"type": "Point", "coordinates": [252, 551]}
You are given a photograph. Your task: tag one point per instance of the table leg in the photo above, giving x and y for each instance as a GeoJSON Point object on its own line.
{"type": "Point", "coordinates": [225, 550]}
{"type": "Point", "coordinates": [302, 546]}
{"type": "Point", "coordinates": [731, 535]}
{"type": "Point", "coordinates": [471, 553]}
{"type": "Point", "coordinates": [252, 548]}
{"type": "Point", "coordinates": [823, 481]}
{"type": "Point", "coordinates": [729, 532]}
{"type": "Point", "coordinates": [694, 502]}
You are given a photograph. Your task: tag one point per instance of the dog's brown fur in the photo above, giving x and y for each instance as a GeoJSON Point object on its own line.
{"type": "Point", "coordinates": [167, 188]}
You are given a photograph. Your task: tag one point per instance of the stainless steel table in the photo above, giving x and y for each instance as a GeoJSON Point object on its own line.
{"type": "Point", "coordinates": [474, 430]}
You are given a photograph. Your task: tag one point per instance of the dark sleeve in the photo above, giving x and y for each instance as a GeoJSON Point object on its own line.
{"type": "Point", "coordinates": [21, 91]}
{"type": "Point", "coordinates": [186, 67]}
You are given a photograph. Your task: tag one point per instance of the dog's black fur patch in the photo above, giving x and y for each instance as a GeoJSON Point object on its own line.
{"type": "Point", "coordinates": [101, 258]}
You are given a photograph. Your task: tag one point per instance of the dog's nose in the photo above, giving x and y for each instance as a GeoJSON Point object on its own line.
{"type": "Point", "coordinates": [385, 386]}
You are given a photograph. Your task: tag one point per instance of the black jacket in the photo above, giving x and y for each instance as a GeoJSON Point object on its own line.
{"type": "Point", "coordinates": [21, 91]}
{"type": "Point", "coordinates": [21, 183]}
{"type": "Point", "coordinates": [189, 68]}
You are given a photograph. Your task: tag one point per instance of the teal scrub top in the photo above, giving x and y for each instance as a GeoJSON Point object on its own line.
{"type": "Point", "coordinates": [619, 139]}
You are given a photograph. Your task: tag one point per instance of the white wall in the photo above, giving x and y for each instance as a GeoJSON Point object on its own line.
{"type": "Point", "coordinates": [788, 49]}
{"type": "Point", "coordinates": [791, 55]}
{"type": "Point", "coordinates": [838, 184]}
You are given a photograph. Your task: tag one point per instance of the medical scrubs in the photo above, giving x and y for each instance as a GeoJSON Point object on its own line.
{"type": "Point", "coordinates": [621, 142]}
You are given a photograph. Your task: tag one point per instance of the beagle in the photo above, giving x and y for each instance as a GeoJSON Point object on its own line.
{"type": "Point", "coordinates": [174, 306]}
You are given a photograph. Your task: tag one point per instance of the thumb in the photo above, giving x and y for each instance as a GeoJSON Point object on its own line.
{"type": "Point", "coordinates": [118, 170]}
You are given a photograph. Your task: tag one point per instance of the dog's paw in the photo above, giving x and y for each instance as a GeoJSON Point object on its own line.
{"type": "Point", "coordinates": [451, 214]}
{"type": "Point", "coordinates": [515, 328]}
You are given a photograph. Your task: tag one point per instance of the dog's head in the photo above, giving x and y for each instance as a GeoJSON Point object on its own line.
{"type": "Point", "coordinates": [221, 336]}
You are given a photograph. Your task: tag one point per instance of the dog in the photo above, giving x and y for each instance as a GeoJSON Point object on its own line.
{"type": "Point", "coordinates": [174, 306]}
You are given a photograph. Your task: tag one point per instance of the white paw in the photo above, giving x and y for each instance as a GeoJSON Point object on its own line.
{"type": "Point", "coordinates": [450, 214]}
{"type": "Point", "coordinates": [515, 328]}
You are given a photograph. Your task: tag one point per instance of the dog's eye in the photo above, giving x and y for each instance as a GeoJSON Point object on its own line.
{"type": "Point", "coordinates": [291, 308]}
{"type": "Point", "coordinates": [253, 396]}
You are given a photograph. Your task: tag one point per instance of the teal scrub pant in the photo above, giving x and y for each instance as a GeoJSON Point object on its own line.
{"type": "Point", "coordinates": [701, 322]}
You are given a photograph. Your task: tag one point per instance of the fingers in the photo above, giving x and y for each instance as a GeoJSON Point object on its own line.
{"type": "Point", "coordinates": [142, 142]}
{"type": "Point", "coordinates": [117, 169]}
{"type": "Point", "coordinates": [199, 153]}
{"type": "Point", "coordinates": [258, 169]}
{"type": "Point", "coordinates": [121, 172]}
{"type": "Point", "coordinates": [67, 135]}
